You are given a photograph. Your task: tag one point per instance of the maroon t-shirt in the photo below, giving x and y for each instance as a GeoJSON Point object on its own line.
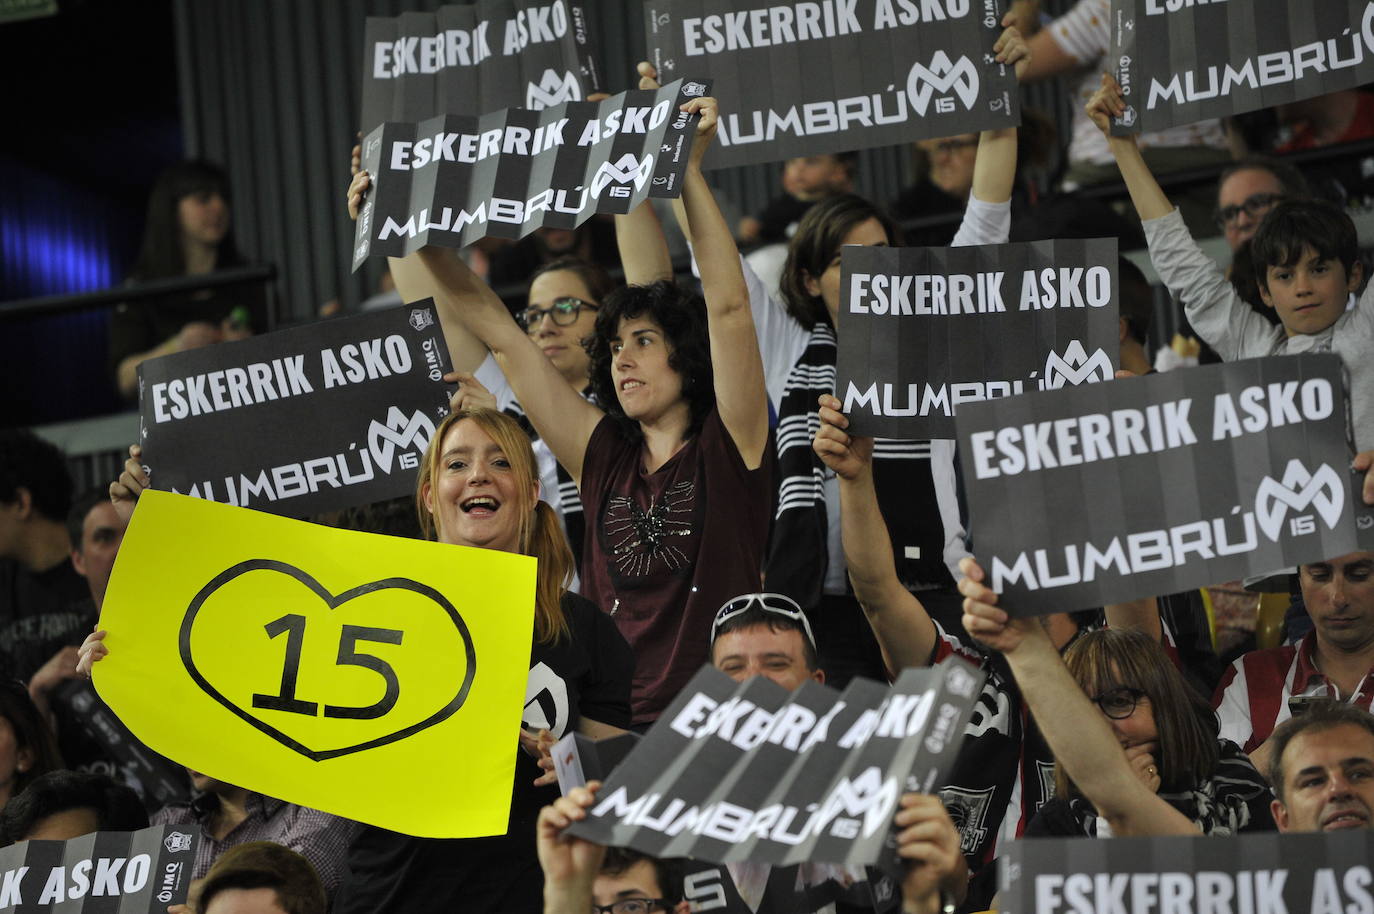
{"type": "Point", "coordinates": [664, 550]}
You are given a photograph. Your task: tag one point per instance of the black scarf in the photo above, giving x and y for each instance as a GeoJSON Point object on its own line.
{"type": "Point", "coordinates": [797, 554]}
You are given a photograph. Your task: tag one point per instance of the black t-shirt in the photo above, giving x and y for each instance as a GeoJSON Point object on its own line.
{"type": "Point", "coordinates": [587, 675]}
{"type": "Point", "coordinates": [40, 614]}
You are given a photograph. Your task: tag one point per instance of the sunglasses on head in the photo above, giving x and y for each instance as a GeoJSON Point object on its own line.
{"type": "Point", "coordinates": [775, 603]}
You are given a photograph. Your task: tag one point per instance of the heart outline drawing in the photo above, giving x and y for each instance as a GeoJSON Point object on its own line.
{"type": "Point", "coordinates": [333, 602]}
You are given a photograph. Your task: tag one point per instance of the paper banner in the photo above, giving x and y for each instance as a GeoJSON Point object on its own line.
{"type": "Point", "coordinates": [923, 330]}
{"type": "Point", "coordinates": [453, 180]}
{"type": "Point", "coordinates": [477, 57]}
{"type": "Point", "coordinates": [300, 421]}
{"type": "Point", "coordinates": [1146, 486]}
{"type": "Point", "coordinates": [125, 871]}
{"type": "Point", "coordinates": [810, 78]}
{"type": "Point", "coordinates": [1312, 873]}
{"type": "Point", "coordinates": [1184, 62]}
{"type": "Point", "coordinates": [736, 772]}
{"type": "Point", "coordinates": [374, 677]}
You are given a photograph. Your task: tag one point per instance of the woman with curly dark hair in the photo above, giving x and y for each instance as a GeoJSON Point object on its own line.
{"type": "Point", "coordinates": [672, 461]}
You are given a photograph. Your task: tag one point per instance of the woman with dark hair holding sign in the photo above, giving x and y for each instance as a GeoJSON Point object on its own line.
{"type": "Point", "coordinates": [673, 464]}
{"type": "Point", "coordinates": [478, 486]}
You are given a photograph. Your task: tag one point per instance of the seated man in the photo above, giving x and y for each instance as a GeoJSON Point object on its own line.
{"type": "Point", "coordinates": [67, 804]}
{"type": "Point", "coordinates": [261, 878]}
{"type": "Point", "coordinates": [581, 876]}
{"type": "Point", "coordinates": [230, 816]}
{"type": "Point", "coordinates": [1322, 769]}
{"type": "Point", "coordinates": [44, 603]}
{"type": "Point", "coordinates": [1334, 660]}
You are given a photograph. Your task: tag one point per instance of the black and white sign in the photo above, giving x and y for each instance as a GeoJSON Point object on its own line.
{"type": "Point", "coordinates": [310, 419]}
{"type": "Point", "coordinates": [923, 330]}
{"type": "Point", "coordinates": [161, 781]}
{"type": "Point", "coordinates": [1272, 873]}
{"type": "Point", "coordinates": [104, 871]}
{"type": "Point", "coordinates": [1183, 61]}
{"type": "Point", "coordinates": [799, 79]}
{"type": "Point", "coordinates": [453, 180]}
{"type": "Point", "coordinates": [749, 772]}
{"type": "Point", "coordinates": [475, 58]}
{"type": "Point", "coordinates": [1145, 486]}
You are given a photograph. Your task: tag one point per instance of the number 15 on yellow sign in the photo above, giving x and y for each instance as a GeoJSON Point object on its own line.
{"type": "Point", "coordinates": [374, 677]}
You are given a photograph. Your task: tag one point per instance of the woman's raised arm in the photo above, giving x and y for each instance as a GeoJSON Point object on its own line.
{"type": "Point", "coordinates": [740, 393]}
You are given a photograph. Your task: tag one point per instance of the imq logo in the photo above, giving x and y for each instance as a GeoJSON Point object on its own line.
{"type": "Point", "coordinates": [176, 842]}
{"type": "Point", "coordinates": [420, 319]}
{"type": "Point", "coordinates": [399, 433]}
{"type": "Point", "coordinates": [1075, 367]}
{"type": "Point", "coordinates": [943, 78]}
{"type": "Point", "coordinates": [1299, 491]}
{"type": "Point", "coordinates": [551, 90]}
{"type": "Point", "coordinates": [624, 171]}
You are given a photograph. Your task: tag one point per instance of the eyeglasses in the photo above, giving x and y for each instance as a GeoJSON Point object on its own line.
{"type": "Point", "coordinates": [950, 146]}
{"type": "Point", "coordinates": [775, 603]}
{"type": "Point", "coordinates": [1255, 205]}
{"type": "Point", "coordinates": [564, 312]}
{"type": "Point", "coordinates": [630, 906]}
{"type": "Point", "coordinates": [1118, 703]}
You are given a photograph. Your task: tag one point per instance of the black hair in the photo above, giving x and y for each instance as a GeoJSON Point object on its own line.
{"type": "Point", "coordinates": [31, 732]}
{"type": "Point", "coordinates": [1136, 299]}
{"type": "Point", "coordinates": [668, 871]}
{"type": "Point", "coordinates": [682, 315]}
{"type": "Point", "coordinates": [160, 255]}
{"type": "Point", "coordinates": [817, 242]}
{"type": "Point", "coordinates": [81, 506]}
{"type": "Point", "coordinates": [1295, 225]}
{"type": "Point", "coordinates": [593, 275]}
{"type": "Point", "coordinates": [758, 617]}
{"type": "Point", "coordinates": [116, 807]}
{"type": "Point", "coordinates": [38, 466]}
{"type": "Point", "coordinates": [1290, 179]}
{"type": "Point", "coordinates": [1245, 281]}
{"type": "Point", "coordinates": [1318, 715]}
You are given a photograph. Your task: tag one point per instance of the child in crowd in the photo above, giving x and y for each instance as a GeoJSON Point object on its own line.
{"type": "Point", "coordinates": [1306, 262]}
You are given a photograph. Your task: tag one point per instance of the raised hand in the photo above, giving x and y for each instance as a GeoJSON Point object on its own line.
{"type": "Point", "coordinates": [1011, 47]}
{"type": "Point", "coordinates": [847, 455]}
{"type": "Point", "coordinates": [125, 491]}
{"type": "Point", "coordinates": [92, 650]}
{"type": "Point", "coordinates": [984, 620]}
{"type": "Point", "coordinates": [1107, 102]}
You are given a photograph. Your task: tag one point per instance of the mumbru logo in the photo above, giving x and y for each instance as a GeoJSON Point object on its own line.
{"type": "Point", "coordinates": [1298, 491]}
{"type": "Point", "coordinates": [551, 90]}
{"type": "Point", "coordinates": [942, 78]}
{"type": "Point", "coordinates": [1075, 367]}
{"type": "Point", "coordinates": [625, 170]}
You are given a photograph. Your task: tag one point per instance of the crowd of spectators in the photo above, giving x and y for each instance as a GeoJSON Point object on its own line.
{"type": "Point", "coordinates": [668, 449]}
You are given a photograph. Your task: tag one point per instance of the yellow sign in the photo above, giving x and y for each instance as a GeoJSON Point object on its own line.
{"type": "Point", "coordinates": [374, 677]}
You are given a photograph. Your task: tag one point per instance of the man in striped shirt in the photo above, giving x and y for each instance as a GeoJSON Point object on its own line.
{"type": "Point", "coordinates": [1335, 660]}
